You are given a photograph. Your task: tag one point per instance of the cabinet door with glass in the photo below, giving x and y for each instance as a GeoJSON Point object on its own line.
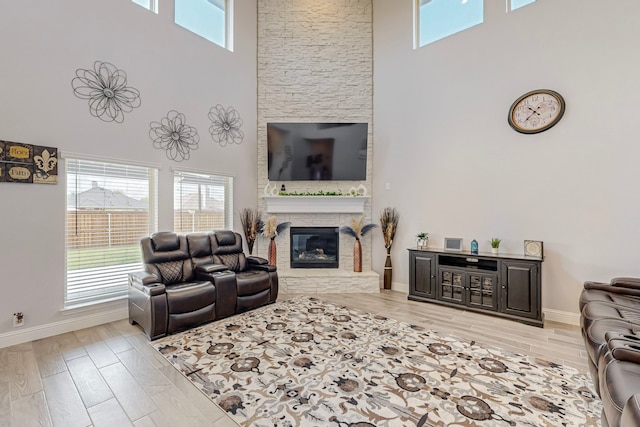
{"type": "Point", "coordinates": [482, 290]}
{"type": "Point", "coordinates": [451, 285]}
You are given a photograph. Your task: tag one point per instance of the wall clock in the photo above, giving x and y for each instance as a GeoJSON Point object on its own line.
{"type": "Point", "coordinates": [533, 248]}
{"type": "Point", "coordinates": [536, 111]}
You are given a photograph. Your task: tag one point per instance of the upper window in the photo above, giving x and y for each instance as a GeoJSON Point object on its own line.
{"type": "Point", "coordinates": [515, 4]}
{"type": "Point", "coordinates": [437, 19]}
{"type": "Point", "coordinates": [110, 207]}
{"type": "Point", "coordinates": [152, 5]}
{"type": "Point", "coordinates": [207, 18]}
{"type": "Point", "coordinates": [202, 202]}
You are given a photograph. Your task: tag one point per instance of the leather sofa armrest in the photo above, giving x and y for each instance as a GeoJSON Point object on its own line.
{"type": "Point", "coordinates": [258, 263]}
{"type": "Point", "coordinates": [626, 282]}
{"type": "Point", "coordinates": [626, 350]}
{"type": "Point", "coordinates": [263, 267]}
{"type": "Point", "coordinates": [146, 282]}
{"type": "Point", "coordinates": [256, 260]}
{"type": "Point", "coordinates": [211, 268]}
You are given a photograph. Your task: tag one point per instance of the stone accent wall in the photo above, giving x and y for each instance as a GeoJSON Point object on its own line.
{"type": "Point", "coordinates": [315, 64]}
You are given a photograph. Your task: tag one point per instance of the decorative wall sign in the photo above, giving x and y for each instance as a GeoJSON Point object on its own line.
{"type": "Point", "coordinates": [174, 135]}
{"type": "Point", "coordinates": [106, 89]}
{"type": "Point", "coordinates": [225, 125]}
{"type": "Point", "coordinates": [28, 163]}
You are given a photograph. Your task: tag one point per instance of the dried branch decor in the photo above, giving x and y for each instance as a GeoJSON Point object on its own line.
{"type": "Point", "coordinates": [251, 225]}
{"type": "Point", "coordinates": [389, 223]}
{"type": "Point", "coordinates": [357, 229]}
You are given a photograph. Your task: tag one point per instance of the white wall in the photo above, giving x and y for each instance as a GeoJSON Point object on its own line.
{"type": "Point", "coordinates": [457, 169]}
{"type": "Point", "coordinates": [43, 43]}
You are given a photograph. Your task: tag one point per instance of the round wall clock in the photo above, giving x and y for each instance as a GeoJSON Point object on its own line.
{"type": "Point", "coordinates": [536, 111]}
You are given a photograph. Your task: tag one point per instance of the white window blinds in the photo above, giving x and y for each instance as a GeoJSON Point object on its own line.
{"type": "Point", "coordinates": [202, 202]}
{"type": "Point", "coordinates": [110, 207]}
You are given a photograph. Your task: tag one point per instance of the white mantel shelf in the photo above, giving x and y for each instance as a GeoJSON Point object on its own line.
{"type": "Point", "coordinates": [315, 204]}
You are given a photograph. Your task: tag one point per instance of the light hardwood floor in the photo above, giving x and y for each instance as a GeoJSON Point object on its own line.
{"type": "Point", "coordinates": [109, 375]}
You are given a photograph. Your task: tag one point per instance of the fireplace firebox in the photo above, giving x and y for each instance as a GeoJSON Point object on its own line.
{"type": "Point", "coordinates": [314, 247]}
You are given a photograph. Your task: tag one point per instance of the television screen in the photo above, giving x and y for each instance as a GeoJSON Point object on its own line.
{"type": "Point", "coordinates": [317, 151]}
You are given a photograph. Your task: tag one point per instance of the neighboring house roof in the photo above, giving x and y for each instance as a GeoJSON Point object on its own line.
{"type": "Point", "coordinates": [98, 197]}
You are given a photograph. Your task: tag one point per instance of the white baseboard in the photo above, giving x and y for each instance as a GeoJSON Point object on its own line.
{"type": "Point", "coordinates": [24, 334]}
{"type": "Point", "coordinates": [561, 316]}
{"type": "Point", "coordinates": [400, 287]}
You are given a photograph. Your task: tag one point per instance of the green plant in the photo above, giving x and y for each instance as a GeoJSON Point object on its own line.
{"type": "Point", "coordinates": [495, 242]}
{"type": "Point", "coordinates": [357, 230]}
{"type": "Point", "coordinates": [422, 236]}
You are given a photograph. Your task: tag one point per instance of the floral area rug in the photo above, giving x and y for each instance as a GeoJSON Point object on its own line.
{"type": "Point", "coordinates": [306, 362]}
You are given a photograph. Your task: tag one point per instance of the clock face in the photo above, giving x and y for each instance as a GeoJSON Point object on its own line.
{"type": "Point", "coordinates": [536, 111]}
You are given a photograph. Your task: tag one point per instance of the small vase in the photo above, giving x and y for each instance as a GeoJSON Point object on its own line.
{"type": "Point", "coordinates": [357, 257]}
{"type": "Point", "coordinates": [387, 270]}
{"type": "Point", "coordinates": [250, 243]}
{"type": "Point", "coordinates": [272, 253]}
{"type": "Point", "coordinates": [423, 243]}
{"type": "Point", "coordinates": [495, 251]}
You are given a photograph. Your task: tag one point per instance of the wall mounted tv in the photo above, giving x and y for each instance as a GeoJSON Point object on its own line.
{"type": "Point", "coordinates": [317, 151]}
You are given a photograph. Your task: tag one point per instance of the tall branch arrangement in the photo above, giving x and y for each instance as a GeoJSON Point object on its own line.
{"type": "Point", "coordinates": [357, 229]}
{"type": "Point", "coordinates": [389, 223]}
{"type": "Point", "coordinates": [251, 225]}
{"type": "Point", "coordinates": [272, 229]}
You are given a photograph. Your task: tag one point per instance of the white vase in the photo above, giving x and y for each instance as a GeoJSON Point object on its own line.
{"type": "Point", "coordinates": [495, 251]}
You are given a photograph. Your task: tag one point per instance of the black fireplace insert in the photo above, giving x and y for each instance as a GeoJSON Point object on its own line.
{"type": "Point", "coordinates": [314, 247]}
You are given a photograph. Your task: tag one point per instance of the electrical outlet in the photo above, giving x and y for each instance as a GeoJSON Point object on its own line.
{"type": "Point", "coordinates": [18, 319]}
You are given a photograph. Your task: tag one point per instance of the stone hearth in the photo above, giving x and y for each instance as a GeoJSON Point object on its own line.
{"type": "Point", "coordinates": [322, 280]}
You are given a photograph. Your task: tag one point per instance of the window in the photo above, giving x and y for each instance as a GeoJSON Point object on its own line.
{"type": "Point", "coordinates": [110, 207]}
{"type": "Point", "coordinates": [207, 18]}
{"type": "Point", "coordinates": [202, 202]}
{"type": "Point", "coordinates": [437, 19]}
{"type": "Point", "coordinates": [515, 4]}
{"type": "Point", "coordinates": [152, 5]}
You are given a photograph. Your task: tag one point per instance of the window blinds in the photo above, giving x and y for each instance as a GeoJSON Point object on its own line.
{"type": "Point", "coordinates": [202, 202]}
{"type": "Point", "coordinates": [110, 207]}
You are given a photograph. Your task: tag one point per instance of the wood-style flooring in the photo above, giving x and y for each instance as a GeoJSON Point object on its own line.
{"type": "Point", "coordinates": [109, 375]}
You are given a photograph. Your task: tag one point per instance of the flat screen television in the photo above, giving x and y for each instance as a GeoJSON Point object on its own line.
{"type": "Point", "coordinates": [317, 151]}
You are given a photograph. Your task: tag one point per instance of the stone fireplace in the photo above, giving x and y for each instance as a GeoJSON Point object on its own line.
{"type": "Point", "coordinates": [310, 215]}
{"type": "Point", "coordinates": [314, 247]}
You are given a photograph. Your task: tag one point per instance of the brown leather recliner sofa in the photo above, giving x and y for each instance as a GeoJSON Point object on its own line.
{"type": "Point", "coordinates": [610, 323]}
{"type": "Point", "coordinates": [196, 278]}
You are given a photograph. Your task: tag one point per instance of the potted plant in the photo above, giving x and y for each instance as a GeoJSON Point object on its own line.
{"type": "Point", "coordinates": [495, 244]}
{"type": "Point", "coordinates": [357, 230]}
{"type": "Point", "coordinates": [422, 239]}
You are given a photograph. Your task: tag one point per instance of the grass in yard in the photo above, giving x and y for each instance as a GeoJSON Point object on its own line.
{"type": "Point", "coordinates": [102, 257]}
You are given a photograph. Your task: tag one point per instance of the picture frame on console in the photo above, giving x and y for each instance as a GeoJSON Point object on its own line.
{"type": "Point", "coordinates": [452, 244]}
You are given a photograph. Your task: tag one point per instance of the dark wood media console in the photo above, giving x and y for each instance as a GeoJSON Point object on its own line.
{"type": "Point", "coordinates": [503, 285]}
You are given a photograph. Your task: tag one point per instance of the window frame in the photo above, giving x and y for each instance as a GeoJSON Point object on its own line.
{"type": "Point", "coordinates": [228, 6]}
{"type": "Point", "coordinates": [118, 291]}
{"type": "Point", "coordinates": [203, 176]}
{"type": "Point", "coordinates": [416, 24]}
{"type": "Point", "coordinates": [153, 5]}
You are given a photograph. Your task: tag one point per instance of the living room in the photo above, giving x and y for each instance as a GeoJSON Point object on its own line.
{"type": "Point", "coordinates": [441, 151]}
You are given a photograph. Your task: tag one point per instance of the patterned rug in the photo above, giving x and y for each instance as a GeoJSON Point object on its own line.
{"type": "Point", "coordinates": [306, 362]}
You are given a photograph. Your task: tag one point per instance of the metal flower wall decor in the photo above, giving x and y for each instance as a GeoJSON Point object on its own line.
{"type": "Point", "coordinates": [174, 135]}
{"type": "Point", "coordinates": [106, 89]}
{"type": "Point", "coordinates": [225, 125]}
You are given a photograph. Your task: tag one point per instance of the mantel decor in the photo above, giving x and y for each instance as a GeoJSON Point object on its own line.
{"type": "Point", "coordinates": [251, 226]}
{"type": "Point", "coordinates": [357, 230]}
{"type": "Point", "coordinates": [272, 230]}
{"type": "Point", "coordinates": [315, 204]}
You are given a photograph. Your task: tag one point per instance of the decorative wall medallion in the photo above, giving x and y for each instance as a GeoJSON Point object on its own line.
{"type": "Point", "coordinates": [225, 125]}
{"type": "Point", "coordinates": [174, 135]}
{"type": "Point", "coordinates": [106, 89]}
